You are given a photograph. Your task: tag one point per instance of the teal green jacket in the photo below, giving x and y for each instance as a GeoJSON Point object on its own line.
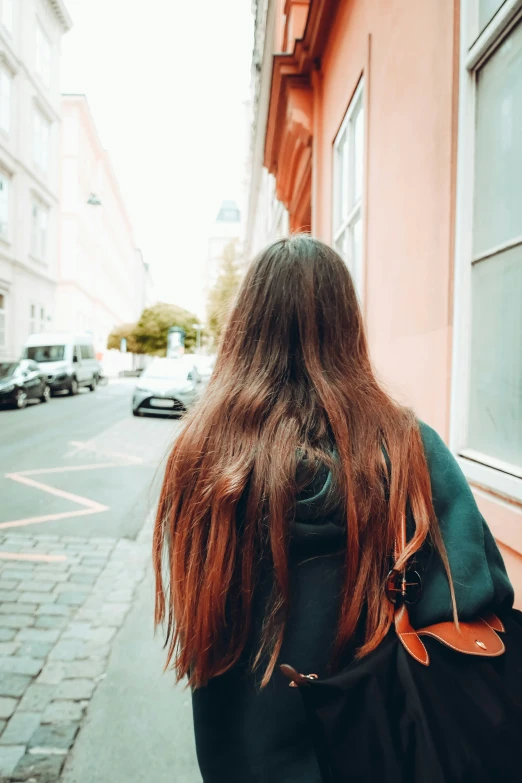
{"type": "Point", "coordinates": [479, 575]}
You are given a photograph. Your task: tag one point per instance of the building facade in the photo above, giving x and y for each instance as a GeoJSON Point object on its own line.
{"type": "Point", "coordinates": [30, 38]}
{"type": "Point", "coordinates": [102, 278]}
{"type": "Point", "coordinates": [394, 130]}
{"type": "Point", "coordinates": [226, 228]}
{"type": "Point", "coordinates": [267, 217]}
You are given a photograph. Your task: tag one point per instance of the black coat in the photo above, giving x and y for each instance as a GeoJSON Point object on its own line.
{"type": "Point", "coordinates": [248, 735]}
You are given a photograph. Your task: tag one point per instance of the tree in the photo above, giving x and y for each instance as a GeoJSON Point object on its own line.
{"type": "Point", "coordinates": [123, 332]}
{"type": "Point", "coordinates": [224, 291]}
{"type": "Point", "coordinates": [150, 333]}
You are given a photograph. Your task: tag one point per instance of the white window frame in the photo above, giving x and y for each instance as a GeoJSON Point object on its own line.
{"type": "Point", "coordinates": [6, 92]}
{"type": "Point", "coordinates": [3, 318]}
{"type": "Point", "coordinates": [4, 206]}
{"type": "Point", "coordinates": [33, 308]}
{"type": "Point", "coordinates": [480, 469]}
{"type": "Point", "coordinates": [342, 224]}
{"type": "Point", "coordinates": [36, 318]}
{"type": "Point", "coordinates": [39, 229]}
{"type": "Point", "coordinates": [41, 140]}
{"type": "Point", "coordinates": [44, 55]}
{"type": "Point", "coordinates": [7, 15]}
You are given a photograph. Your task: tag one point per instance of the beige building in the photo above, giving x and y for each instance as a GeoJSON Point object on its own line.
{"type": "Point", "coordinates": [102, 278]}
{"type": "Point", "coordinates": [30, 39]}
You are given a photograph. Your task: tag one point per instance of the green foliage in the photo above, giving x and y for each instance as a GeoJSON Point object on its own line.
{"type": "Point", "coordinates": [150, 333]}
{"type": "Point", "coordinates": [224, 291]}
{"type": "Point", "coordinates": [123, 331]}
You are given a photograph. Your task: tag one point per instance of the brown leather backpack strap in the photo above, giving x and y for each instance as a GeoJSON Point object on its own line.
{"type": "Point", "coordinates": [409, 636]}
{"type": "Point", "coordinates": [479, 637]}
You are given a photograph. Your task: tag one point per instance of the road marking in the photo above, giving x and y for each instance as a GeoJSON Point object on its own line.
{"type": "Point", "coordinates": [60, 493]}
{"type": "Point", "coordinates": [66, 469]}
{"type": "Point", "coordinates": [89, 506]}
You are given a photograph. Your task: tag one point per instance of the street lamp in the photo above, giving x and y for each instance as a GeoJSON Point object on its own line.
{"type": "Point", "coordinates": [198, 328]}
{"type": "Point", "coordinates": [93, 200]}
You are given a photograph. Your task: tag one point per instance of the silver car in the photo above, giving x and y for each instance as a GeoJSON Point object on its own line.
{"type": "Point", "coordinates": [168, 387]}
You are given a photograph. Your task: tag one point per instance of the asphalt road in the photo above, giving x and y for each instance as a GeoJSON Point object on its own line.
{"type": "Point", "coordinates": [81, 465]}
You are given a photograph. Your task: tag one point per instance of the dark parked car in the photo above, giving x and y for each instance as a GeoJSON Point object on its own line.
{"type": "Point", "coordinates": [22, 381]}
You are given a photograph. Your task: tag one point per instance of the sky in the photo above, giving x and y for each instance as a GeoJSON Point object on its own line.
{"type": "Point", "coordinates": [167, 82]}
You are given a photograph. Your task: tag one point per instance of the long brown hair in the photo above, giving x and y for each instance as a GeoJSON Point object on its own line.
{"type": "Point", "coordinates": [292, 374]}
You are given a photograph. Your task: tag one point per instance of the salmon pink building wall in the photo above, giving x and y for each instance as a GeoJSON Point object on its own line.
{"type": "Point", "coordinates": [405, 54]}
{"type": "Point", "coordinates": [408, 56]}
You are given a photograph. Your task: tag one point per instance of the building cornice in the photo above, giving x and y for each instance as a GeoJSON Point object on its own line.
{"type": "Point", "coordinates": [289, 124]}
{"type": "Point", "coordinates": [62, 14]}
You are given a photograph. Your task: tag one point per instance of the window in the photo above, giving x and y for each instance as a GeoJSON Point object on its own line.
{"type": "Point", "coordinates": [486, 11]}
{"type": "Point", "coordinates": [7, 14]}
{"type": "Point", "coordinates": [45, 353]}
{"type": "Point", "coordinates": [41, 140]}
{"type": "Point", "coordinates": [5, 99]}
{"type": "Point", "coordinates": [4, 206]}
{"type": "Point", "coordinates": [43, 56]}
{"type": "Point", "coordinates": [87, 352]}
{"type": "Point", "coordinates": [348, 187]}
{"type": "Point", "coordinates": [36, 321]}
{"type": "Point", "coordinates": [487, 393]}
{"type": "Point", "coordinates": [39, 223]}
{"type": "Point", "coordinates": [3, 299]}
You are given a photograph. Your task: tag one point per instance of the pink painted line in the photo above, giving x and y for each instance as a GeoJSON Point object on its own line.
{"type": "Point", "coordinates": [90, 506]}
{"type": "Point", "coordinates": [63, 469]}
{"type": "Point", "coordinates": [49, 517]}
{"type": "Point", "coordinates": [60, 493]}
{"type": "Point", "coordinates": [33, 558]}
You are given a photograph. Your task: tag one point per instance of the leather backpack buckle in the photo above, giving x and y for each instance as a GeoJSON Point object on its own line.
{"type": "Point", "coordinates": [403, 587]}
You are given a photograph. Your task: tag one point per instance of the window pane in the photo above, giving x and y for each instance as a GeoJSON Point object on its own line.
{"type": "Point", "coordinates": [340, 245]}
{"type": "Point", "coordinates": [34, 231]}
{"type": "Point", "coordinates": [498, 150]}
{"type": "Point", "coordinates": [358, 154]}
{"type": "Point", "coordinates": [487, 10]}
{"type": "Point", "coordinates": [5, 100]}
{"type": "Point", "coordinates": [495, 416]}
{"type": "Point", "coordinates": [4, 207]}
{"type": "Point", "coordinates": [343, 247]}
{"type": "Point", "coordinates": [344, 175]}
{"type": "Point", "coordinates": [357, 251]}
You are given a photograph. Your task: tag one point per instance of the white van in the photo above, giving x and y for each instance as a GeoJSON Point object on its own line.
{"type": "Point", "coordinates": [67, 359]}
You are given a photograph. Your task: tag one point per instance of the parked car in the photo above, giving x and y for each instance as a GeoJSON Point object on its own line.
{"type": "Point", "coordinates": [167, 387]}
{"type": "Point", "coordinates": [22, 381]}
{"type": "Point", "coordinates": [205, 365]}
{"type": "Point", "coordinates": [68, 360]}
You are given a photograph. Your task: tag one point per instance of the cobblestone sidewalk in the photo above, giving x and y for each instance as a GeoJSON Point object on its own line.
{"type": "Point", "coordinates": [57, 623]}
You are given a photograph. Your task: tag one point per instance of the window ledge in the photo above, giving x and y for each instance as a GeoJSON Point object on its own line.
{"type": "Point", "coordinates": [509, 487]}
{"type": "Point", "coordinates": [38, 261]}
